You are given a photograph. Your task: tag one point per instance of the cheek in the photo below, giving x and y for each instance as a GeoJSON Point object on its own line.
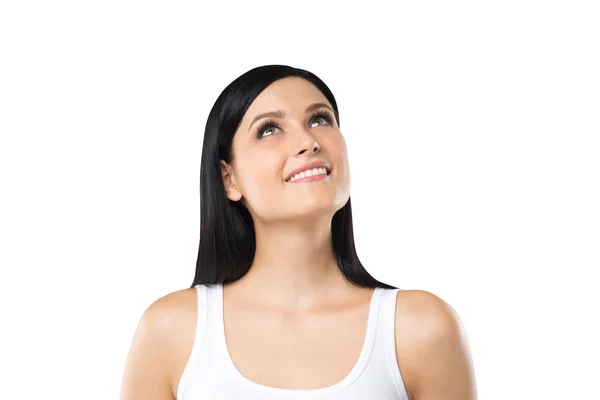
{"type": "Point", "coordinates": [343, 150]}
{"type": "Point", "coordinates": [259, 175]}
{"type": "Point", "coordinates": [339, 152]}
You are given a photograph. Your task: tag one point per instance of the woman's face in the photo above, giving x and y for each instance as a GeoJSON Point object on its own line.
{"type": "Point", "coordinates": [267, 149]}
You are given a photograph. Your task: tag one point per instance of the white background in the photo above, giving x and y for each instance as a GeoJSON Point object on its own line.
{"type": "Point", "coordinates": [473, 134]}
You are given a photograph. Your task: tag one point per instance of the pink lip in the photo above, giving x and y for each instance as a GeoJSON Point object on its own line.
{"type": "Point", "coordinates": [311, 165]}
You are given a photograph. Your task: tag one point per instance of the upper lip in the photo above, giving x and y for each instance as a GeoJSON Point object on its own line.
{"type": "Point", "coordinates": [311, 165]}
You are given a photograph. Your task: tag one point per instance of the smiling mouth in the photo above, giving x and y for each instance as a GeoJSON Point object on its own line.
{"type": "Point", "coordinates": [310, 175]}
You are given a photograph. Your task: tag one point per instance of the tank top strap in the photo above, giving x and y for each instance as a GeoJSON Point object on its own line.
{"type": "Point", "coordinates": [201, 323]}
{"type": "Point", "coordinates": [387, 327]}
{"type": "Point", "coordinates": [214, 326]}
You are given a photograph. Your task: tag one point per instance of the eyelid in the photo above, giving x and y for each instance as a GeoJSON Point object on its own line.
{"type": "Point", "coordinates": [323, 113]}
{"type": "Point", "coordinates": [264, 125]}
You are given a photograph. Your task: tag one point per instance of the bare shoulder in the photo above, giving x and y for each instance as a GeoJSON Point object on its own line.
{"type": "Point", "coordinates": [161, 346]}
{"type": "Point", "coordinates": [166, 313]}
{"type": "Point", "coordinates": [432, 348]}
{"type": "Point", "coordinates": [429, 316]}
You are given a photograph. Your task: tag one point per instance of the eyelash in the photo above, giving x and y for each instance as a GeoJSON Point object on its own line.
{"type": "Point", "coordinates": [269, 123]}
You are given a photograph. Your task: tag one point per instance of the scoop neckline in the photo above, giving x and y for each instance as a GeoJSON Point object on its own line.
{"type": "Point", "coordinates": [354, 373]}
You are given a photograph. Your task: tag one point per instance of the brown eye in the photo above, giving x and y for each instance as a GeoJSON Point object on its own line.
{"type": "Point", "coordinates": [269, 127]}
{"type": "Point", "coordinates": [268, 131]}
{"type": "Point", "coordinates": [319, 119]}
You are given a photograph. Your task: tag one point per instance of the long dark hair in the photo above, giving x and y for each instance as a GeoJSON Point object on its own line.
{"type": "Point", "coordinates": [227, 237]}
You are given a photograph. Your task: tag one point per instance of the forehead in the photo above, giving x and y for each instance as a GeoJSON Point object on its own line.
{"type": "Point", "coordinates": [289, 94]}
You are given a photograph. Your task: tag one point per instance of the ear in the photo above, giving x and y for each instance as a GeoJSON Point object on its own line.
{"type": "Point", "coordinates": [231, 189]}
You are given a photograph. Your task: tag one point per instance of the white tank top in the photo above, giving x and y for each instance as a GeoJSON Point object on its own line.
{"type": "Point", "coordinates": [211, 374]}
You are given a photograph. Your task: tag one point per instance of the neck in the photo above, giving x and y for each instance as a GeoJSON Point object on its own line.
{"type": "Point", "coordinates": [294, 265]}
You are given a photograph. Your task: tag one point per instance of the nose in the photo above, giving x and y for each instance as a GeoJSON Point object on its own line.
{"type": "Point", "coordinates": [308, 143]}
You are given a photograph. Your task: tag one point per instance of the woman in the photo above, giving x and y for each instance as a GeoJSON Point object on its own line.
{"type": "Point", "coordinates": [281, 306]}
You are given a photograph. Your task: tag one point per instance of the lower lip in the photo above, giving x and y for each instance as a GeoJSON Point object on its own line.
{"type": "Point", "coordinates": [311, 178]}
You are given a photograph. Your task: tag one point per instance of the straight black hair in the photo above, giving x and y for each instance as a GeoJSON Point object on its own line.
{"type": "Point", "coordinates": [227, 237]}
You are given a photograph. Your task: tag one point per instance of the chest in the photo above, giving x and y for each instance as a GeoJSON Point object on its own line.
{"type": "Point", "coordinates": [295, 352]}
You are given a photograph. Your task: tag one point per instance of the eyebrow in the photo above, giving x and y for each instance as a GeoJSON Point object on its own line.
{"type": "Point", "coordinates": [281, 114]}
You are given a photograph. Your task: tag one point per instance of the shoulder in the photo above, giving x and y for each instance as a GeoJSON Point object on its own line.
{"type": "Point", "coordinates": [171, 320]}
{"type": "Point", "coordinates": [164, 339]}
{"type": "Point", "coordinates": [166, 313]}
{"type": "Point", "coordinates": [431, 316]}
{"type": "Point", "coordinates": [431, 347]}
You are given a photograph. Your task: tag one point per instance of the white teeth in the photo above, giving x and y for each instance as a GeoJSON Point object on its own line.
{"type": "Point", "coordinates": [309, 172]}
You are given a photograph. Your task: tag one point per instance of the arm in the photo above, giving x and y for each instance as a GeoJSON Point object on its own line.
{"type": "Point", "coordinates": [160, 348]}
{"type": "Point", "coordinates": [432, 349]}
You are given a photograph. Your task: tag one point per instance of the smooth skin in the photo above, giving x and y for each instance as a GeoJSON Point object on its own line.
{"type": "Point", "coordinates": [274, 316]}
